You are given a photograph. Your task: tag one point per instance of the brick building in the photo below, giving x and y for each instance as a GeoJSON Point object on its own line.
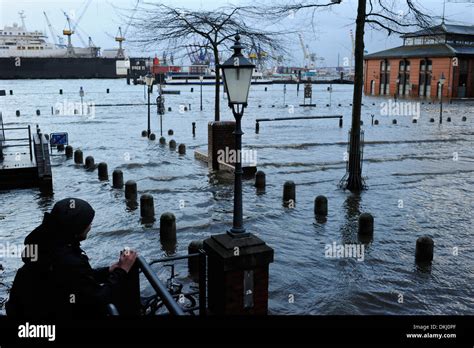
{"type": "Point", "coordinates": [420, 62]}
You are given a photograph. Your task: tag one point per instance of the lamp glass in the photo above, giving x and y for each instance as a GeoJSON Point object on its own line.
{"type": "Point", "coordinates": [442, 79]}
{"type": "Point", "coordinates": [149, 79]}
{"type": "Point", "coordinates": [237, 81]}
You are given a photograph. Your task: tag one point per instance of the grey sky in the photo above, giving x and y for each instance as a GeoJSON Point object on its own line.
{"type": "Point", "coordinates": [331, 35]}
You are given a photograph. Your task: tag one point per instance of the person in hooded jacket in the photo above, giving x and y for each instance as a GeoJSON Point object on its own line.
{"type": "Point", "coordinates": [59, 281]}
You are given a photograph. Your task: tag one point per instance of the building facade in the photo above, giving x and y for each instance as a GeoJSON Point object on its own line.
{"type": "Point", "coordinates": [415, 69]}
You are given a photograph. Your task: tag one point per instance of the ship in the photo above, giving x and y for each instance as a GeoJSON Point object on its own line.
{"type": "Point", "coordinates": [205, 75]}
{"type": "Point", "coordinates": [26, 54]}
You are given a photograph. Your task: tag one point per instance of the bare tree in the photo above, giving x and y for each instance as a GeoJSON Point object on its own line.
{"type": "Point", "coordinates": [390, 15]}
{"type": "Point", "coordinates": [181, 28]}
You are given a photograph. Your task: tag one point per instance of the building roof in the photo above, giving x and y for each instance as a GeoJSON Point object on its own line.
{"type": "Point", "coordinates": [414, 51]}
{"type": "Point", "coordinates": [443, 29]}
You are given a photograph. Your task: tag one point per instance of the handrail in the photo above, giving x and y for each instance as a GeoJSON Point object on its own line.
{"type": "Point", "coordinates": [174, 258]}
{"type": "Point", "coordinates": [40, 135]}
{"type": "Point", "coordinates": [159, 287]}
{"type": "Point", "coordinates": [29, 143]}
{"type": "Point", "coordinates": [258, 120]}
{"type": "Point", "coordinates": [11, 140]}
{"type": "Point", "coordinates": [1, 123]}
{"type": "Point", "coordinates": [201, 255]}
{"type": "Point", "coordinates": [13, 128]}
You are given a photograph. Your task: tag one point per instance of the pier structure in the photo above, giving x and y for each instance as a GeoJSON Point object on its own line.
{"type": "Point", "coordinates": [24, 159]}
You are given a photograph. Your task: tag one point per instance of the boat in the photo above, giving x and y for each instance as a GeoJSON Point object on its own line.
{"type": "Point", "coordinates": [206, 76]}
{"type": "Point", "coordinates": [26, 54]}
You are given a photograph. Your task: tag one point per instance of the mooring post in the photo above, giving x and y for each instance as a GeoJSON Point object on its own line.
{"type": "Point", "coordinates": [147, 209]}
{"type": "Point", "coordinates": [424, 249]}
{"type": "Point", "coordinates": [131, 190]}
{"type": "Point", "coordinates": [117, 179]}
{"type": "Point", "coordinates": [168, 231]}
{"type": "Point", "coordinates": [321, 206]}
{"type": "Point", "coordinates": [78, 157]}
{"type": "Point", "coordinates": [90, 164]}
{"type": "Point", "coordinates": [366, 224]}
{"type": "Point", "coordinates": [260, 180]}
{"type": "Point", "coordinates": [193, 262]}
{"type": "Point", "coordinates": [289, 193]}
{"type": "Point", "coordinates": [103, 172]}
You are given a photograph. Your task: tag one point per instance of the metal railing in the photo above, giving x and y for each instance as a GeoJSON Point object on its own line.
{"type": "Point", "coordinates": [201, 255]}
{"type": "Point", "coordinates": [258, 120]}
{"type": "Point", "coordinates": [24, 142]}
{"type": "Point", "coordinates": [168, 299]}
{"type": "Point", "coordinates": [160, 289]}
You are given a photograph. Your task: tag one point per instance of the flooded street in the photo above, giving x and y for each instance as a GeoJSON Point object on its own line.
{"type": "Point", "coordinates": [420, 179]}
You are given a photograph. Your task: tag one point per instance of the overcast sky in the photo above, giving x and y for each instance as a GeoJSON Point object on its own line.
{"type": "Point", "coordinates": [330, 37]}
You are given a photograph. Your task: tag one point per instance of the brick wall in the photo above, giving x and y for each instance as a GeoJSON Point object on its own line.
{"type": "Point", "coordinates": [220, 136]}
{"type": "Point", "coordinates": [440, 65]}
{"type": "Point", "coordinates": [226, 291]}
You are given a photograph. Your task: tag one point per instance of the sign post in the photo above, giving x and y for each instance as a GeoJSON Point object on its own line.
{"type": "Point", "coordinates": [56, 139]}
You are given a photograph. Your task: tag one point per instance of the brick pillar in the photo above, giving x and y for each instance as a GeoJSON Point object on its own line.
{"type": "Point", "coordinates": [237, 274]}
{"type": "Point", "coordinates": [220, 137]}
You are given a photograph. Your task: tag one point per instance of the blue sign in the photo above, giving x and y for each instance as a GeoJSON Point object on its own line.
{"type": "Point", "coordinates": [58, 139]}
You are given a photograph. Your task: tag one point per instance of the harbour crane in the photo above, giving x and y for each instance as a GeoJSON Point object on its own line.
{"type": "Point", "coordinates": [51, 30]}
{"type": "Point", "coordinates": [68, 32]}
{"type": "Point", "coordinates": [75, 27]}
{"type": "Point", "coordinates": [305, 51]}
{"type": "Point", "coordinates": [120, 37]}
{"type": "Point", "coordinates": [310, 58]}
{"type": "Point", "coordinates": [257, 56]}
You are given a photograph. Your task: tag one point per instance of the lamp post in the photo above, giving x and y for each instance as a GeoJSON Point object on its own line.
{"type": "Point", "coordinates": [330, 93]}
{"type": "Point", "coordinates": [201, 78]}
{"type": "Point", "coordinates": [442, 80]}
{"type": "Point", "coordinates": [149, 79]}
{"type": "Point", "coordinates": [237, 72]}
{"type": "Point", "coordinates": [81, 94]}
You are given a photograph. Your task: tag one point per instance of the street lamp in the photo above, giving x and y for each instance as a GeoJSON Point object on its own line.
{"type": "Point", "coordinates": [201, 78]}
{"type": "Point", "coordinates": [330, 93]}
{"type": "Point", "coordinates": [81, 94]}
{"type": "Point", "coordinates": [442, 80]}
{"type": "Point", "coordinates": [237, 72]}
{"type": "Point", "coordinates": [149, 79]}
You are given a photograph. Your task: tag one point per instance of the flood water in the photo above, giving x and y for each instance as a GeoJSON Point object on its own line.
{"type": "Point", "coordinates": [420, 179]}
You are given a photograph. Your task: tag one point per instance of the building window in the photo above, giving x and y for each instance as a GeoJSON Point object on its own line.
{"type": "Point", "coordinates": [384, 77]}
{"type": "Point", "coordinates": [404, 77]}
{"type": "Point", "coordinates": [426, 68]}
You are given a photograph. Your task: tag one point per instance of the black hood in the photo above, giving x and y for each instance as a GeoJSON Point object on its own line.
{"type": "Point", "coordinates": [69, 218]}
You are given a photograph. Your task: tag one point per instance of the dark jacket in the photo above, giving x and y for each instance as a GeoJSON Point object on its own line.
{"type": "Point", "coordinates": [61, 282]}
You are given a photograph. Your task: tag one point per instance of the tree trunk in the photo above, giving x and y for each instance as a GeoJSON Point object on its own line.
{"type": "Point", "coordinates": [217, 101]}
{"type": "Point", "coordinates": [354, 180]}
